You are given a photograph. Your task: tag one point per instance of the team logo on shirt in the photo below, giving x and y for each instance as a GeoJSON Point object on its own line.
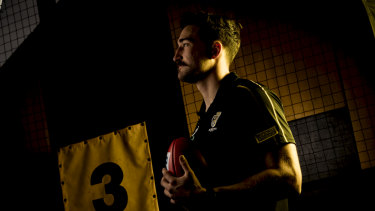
{"type": "Point", "coordinates": [214, 120]}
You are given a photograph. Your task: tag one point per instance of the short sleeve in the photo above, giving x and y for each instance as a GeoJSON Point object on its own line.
{"type": "Point", "coordinates": [267, 110]}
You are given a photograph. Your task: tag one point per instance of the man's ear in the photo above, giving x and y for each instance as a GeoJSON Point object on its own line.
{"type": "Point", "coordinates": [217, 47]}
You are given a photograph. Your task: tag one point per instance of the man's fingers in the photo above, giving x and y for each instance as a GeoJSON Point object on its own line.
{"type": "Point", "coordinates": [164, 182]}
{"type": "Point", "coordinates": [167, 193]}
{"type": "Point", "coordinates": [171, 184]}
{"type": "Point", "coordinates": [185, 165]}
{"type": "Point", "coordinates": [168, 188]}
{"type": "Point", "coordinates": [168, 176]}
{"type": "Point", "coordinates": [164, 171]}
{"type": "Point", "coordinates": [167, 182]}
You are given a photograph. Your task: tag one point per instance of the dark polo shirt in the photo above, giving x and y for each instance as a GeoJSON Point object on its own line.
{"type": "Point", "coordinates": [244, 121]}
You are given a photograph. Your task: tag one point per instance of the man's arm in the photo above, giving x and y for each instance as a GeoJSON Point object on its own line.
{"type": "Point", "coordinates": [281, 177]}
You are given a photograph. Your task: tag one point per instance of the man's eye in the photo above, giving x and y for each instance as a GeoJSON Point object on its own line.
{"type": "Point", "coordinates": [185, 44]}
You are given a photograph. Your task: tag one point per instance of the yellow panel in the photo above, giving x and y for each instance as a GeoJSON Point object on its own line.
{"type": "Point", "coordinates": [109, 172]}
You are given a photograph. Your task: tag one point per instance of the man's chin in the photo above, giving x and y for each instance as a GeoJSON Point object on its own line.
{"type": "Point", "coordinates": [191, 77]}
{"type": "Point", "coordinates": [186, 78]}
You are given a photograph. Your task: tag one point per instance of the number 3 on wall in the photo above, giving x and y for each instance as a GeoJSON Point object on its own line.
{"type": "Point", "coordinates": [113, 187]}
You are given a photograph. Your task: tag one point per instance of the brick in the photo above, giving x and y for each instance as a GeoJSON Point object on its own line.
{"type": "Point", "coordinates": [307, 106]}
{"type": "Point", "coordinates": [319, 156]}
{"type": "Point", "coordinates": [317, 146]}
{"type": "Point", "coordinates": [322, 167]}
{"type": "Point", "coordinates": [307, 149]}
{"type": "Point", "coordinates": [312, 169]}
{"type": "Point", "coordinates": [305, 95]}
{"type": "Point", "coordinates": [304, 138]}
{"type": "Point", "coordinates": [297, 108]}
{"type": "Point", "coordinates": [330, 154]}
{"type": "Point", "coordinates": [370, 144]}
{"type": "Point", "coordinates": [371, 154]}
{"type": "Point", "coordinates": [286, 101]}
{"type": "Point", "coordinates": [293, 87]}
{"type": "Point", "coordinates": [327, 144]}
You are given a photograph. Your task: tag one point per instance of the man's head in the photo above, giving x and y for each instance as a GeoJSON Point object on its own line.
{"type": "Point", "coordinates": [202, 39]}
{"type": "Point", "coordinates": [215, 27]}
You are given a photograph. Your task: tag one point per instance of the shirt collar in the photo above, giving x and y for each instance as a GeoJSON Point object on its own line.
{"type": "Point", "coordinates": [224, 83]}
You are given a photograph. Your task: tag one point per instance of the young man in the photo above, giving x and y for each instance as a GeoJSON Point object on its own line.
{"type": "Point", "coordinates": [252, 161]}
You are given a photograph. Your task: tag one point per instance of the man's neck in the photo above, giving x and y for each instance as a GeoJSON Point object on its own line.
{"type": "Point", "coordinates": [209, 86]}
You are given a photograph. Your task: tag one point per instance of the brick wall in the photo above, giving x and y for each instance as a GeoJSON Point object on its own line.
{"type": "Point", "coordinates": [18, 18]}
{"type": "Point", "coordinates": [326, 144]}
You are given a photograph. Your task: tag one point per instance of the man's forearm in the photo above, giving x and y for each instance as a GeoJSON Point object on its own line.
{"type": "Point", "coordinates": [273, 182]}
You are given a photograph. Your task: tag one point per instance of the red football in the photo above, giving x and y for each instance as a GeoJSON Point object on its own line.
{"type": "Point", "coordinates": [183, 146]}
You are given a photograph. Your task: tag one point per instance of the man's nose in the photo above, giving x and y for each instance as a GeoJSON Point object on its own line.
{"type": "Point", "coordinates": [177, 54]}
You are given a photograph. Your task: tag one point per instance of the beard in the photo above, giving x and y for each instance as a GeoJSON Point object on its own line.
{"type": "Point", "coordinates": [185, 74]}
{"type": "Point", "coordinates": [190, 75]}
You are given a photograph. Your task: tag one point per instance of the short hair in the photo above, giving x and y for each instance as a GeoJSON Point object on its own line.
{"type": "Point", "coordinates": [215, 27]}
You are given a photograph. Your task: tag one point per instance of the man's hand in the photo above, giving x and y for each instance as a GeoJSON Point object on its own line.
{"type": "Point", "coordinates": [184, 189]}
